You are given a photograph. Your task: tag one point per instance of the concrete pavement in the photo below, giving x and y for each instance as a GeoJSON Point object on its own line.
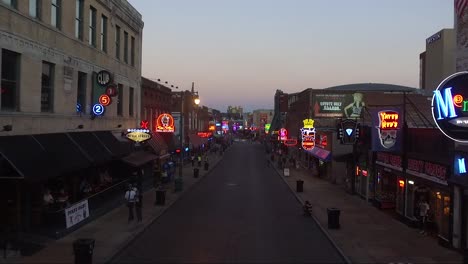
{"type": "Point", "coordinates": [367, 235]}
{"type": "Point", "coordinates": [112, 231]}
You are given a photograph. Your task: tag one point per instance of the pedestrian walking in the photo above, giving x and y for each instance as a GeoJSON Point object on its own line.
{"type": "Point", "coordinates": [130, 196]}
{"type": "Point", "coordinates": [193, 160]}
{"type": "Point", "coordinates": [139, 204]}
{"type": "Point", "coordinates": [199, 160]}
{"type": "Point", "coordinates": [423, 213]}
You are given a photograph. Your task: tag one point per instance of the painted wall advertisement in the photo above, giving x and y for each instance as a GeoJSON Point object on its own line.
{"type": "Point", "coordinates": [339, 105]}
{"type": "Point", "coordinates": [387, 129]}
{"type": "Point", "coordinates": [76, 213]}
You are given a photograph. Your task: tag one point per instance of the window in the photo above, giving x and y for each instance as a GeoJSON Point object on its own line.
{"type": "Point", "coordinates": [55, 13]}
{"type": "Point", "coordinates": [10, 80]}
{"type": "Point", "coordinates": [92, 26]}
{"type": "Point", "coordinates": [79, 19]}
{"type": "Point", "coordinates": [11, 3]}
{"type": "Point", "coordinates": [125, 47]}
{"type": "Point", "coordinates": [104, 33]}
{"type": "Point", "coordinates": [47, 97]}
{"type": "Point", "coordinates": [117, 42]}
{"type": "Point", "coordinates": [35, 8]}
{"type": "Point", "coordinates": [132, 51]}
{"type": "Point", "coordinates": [120, 100]}
{"type": "Point", "coordinates": [81, 92]}
{"type": "Point", "coordinates": [130, 105]}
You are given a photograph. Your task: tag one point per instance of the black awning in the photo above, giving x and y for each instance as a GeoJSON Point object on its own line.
{"type": "Point", "coordinates": [137, 159]}
{"type": "Point", "coordinates": [157, 144]}
{"type": "Point", "coordinates": [90, 144]}
{"type": "Point", "coordinates": [66, 155]}
{"type": "Point", "coordinates": [28, 158]}
{"type": "Point", "coordinates": [116, 147]}
{"type": "Point", "coordinates": [171, 141]}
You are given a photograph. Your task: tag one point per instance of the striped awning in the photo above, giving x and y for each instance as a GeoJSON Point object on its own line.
{"type": "Point", "coordinates": [157, 144]}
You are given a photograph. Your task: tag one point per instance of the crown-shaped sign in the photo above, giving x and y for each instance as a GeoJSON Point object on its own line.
{"type": "Point", "coordinates": [308, 123]}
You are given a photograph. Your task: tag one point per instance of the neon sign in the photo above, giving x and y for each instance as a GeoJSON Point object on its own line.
{"type": "Point", "coordinates": [283, 134]}
{"type": "Point", "coordinates": [450, 106]}
{"type": "Point", "coordinates": [144, 124]}
{"type": "Point", "coordinates": [138, 135]}
{"type": "Point", "coordinates": [308, 134]}
{"type": "Point", "coordinates": [389, 123]}
{"type": "Point", "coordinates": [165, 123]}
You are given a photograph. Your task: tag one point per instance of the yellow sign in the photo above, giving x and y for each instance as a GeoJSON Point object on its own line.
{"type": "Point", "coordinates": [308, 123]}
{"type": "Point", "coordinates": [138, 136]}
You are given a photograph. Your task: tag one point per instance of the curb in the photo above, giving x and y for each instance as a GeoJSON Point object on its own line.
{"type": "Point", "coordinates": [136, 234]}
{"type": "Point", "coordinates": [343, 256]}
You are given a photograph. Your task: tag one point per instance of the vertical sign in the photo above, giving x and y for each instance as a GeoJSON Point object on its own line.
{"type": "Point", "coordinates": [308, 134]}
{"type": "Point", "coordinates": [387, 129]}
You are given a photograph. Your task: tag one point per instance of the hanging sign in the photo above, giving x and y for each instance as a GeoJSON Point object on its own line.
{"type": "Point", "coordinates": [308, 134]}
{"type": "Point", "coordinates": [204, 134]}
{"type": "Point", "coordinates": [144, 124]}
{"type": "Point", "coordinates": [76, 213]}
{"type": "Point", "coordinates": [105, 100]}
{"type": "Point", "coordinates": [111, 90]}
{"type": "Point", "coordinates": [138, 134]}
{"type": "Point", "coordinates": [348, 131]}
{"type": "Point", "coordinates": [283, 134]}
{"type": "Point", "coordinates": [98, 109]}
{"type": "Point", "coordinates": [387, 130]}
{"type": "Point", "coordinates": [450, 106]}
{"type": "Point", "coordinates": [165, 123]}
{"type": "Point", "coordinates": [103, 78]}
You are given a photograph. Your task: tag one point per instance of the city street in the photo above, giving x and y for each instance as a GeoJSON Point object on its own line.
{"type": "Point", "coordinates": [241, 212]}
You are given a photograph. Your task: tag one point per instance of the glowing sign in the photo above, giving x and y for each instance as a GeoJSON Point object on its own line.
{"type": "Point", "coordinates": [138, 135]}
{"type": "Point", "coordinates": [283, 134]}
{"type": "Point", "coordinates": [204, 134]}
{"type": "Point", "coordinates": [461, 165]}
{"type": "Point", "coordinates": [389, 124]}
{"type": "Point", "coordinates": [349, 131]}
{"type": "Point", "coordinates": [308, 134]}
{"type": "Point", "coordinates": [165, 123]}
{"type": "Point", "coordinates": [144, 124]}
{"type": "Point", "coordinates": [111, 90]}
{"type": "Point", "coordinates": [450, 106]}
{"type": "Point", "coordinates": [104, 100]}
{"type": "Point", "coordinates": [212, 128]}
{"type": "Point", "coordinates": [401, 183]}
{"type": "Point", "coordinates": [98, 109]}
{"type": "Point", "coordinates": [103, 78]}
{"type": "Point", "coordinates": [267, 127]}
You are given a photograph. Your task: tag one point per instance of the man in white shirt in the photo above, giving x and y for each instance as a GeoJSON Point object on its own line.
{"type": "Point", "coordinates": [130, 197]}
{"type": "Point", "coordinates": [423, 212]}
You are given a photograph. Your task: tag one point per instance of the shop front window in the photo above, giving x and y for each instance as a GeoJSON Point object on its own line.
{"type": "Point", "coordinates": [386, 187]}
{"type": "Point", "coordinates": [400, 198]}
{"type": "Point", "coordinates": [410, 206]}
{"type": "Point", "coordinates": [442, 214]}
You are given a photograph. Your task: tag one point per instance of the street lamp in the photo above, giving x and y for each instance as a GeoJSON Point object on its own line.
{"type": "Point", "coordinates": [181, 159]}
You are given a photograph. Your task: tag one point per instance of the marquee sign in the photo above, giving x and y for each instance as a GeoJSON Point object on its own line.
{"type": "Point", "coordinates": [387, 132]}
{"type": "Point", "coordinates": [308, 134]}
{"type": "Point", "coordinates": [138, 135]}
{"type": "Point", "coordinates": [450, 106]}
{"type": "Point", "coordinates": [165, 123]}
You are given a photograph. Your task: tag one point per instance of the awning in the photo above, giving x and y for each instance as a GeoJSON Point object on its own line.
{"type": "Point", "coordinates": [66, 155]}
{"type": "Point", "coordinates": [137, 159]}
{"type": "Point", "coordinates": [320, 153]}
{"type": "Point", "coordinates": [171, 140]}
{"type": "Point", "coordinates": [157, 144]}
{"type": "Point", "coordinates": [91, 146]}
{"type": "Point", "coordinates": [28, 158]}
{"type": "Point", "coordinates": [116, 147]}
{"type": "Point", "coordinates": [197, 141]}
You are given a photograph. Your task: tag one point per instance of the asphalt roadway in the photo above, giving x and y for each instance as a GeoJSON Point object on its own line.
{"type": "Point", "coordinates": [241, 212]}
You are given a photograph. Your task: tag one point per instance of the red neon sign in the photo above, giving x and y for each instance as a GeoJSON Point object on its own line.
{"type": "Point", "coordinates": [104, 99]}
{"type": "Point", "coordinates": [389, 120]}
{"type": "Point", "coordinates": [165, 123]}
{"type": "Point", "coordinates": [401, 183]}
{"type": "Point", "coordinates": [144, 124]}
{"type": "Point", "coordinates": [204, 134]}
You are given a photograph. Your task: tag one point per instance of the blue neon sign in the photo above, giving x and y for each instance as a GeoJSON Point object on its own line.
{"type": "Point", "coordinates": [98, 109]}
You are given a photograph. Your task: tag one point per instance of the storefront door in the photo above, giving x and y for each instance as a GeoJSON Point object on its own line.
{"type": "Point", "coordinates": [442, 214]}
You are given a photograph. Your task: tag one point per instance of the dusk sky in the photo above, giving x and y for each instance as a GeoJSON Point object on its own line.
{"type": "Point", "coordinates": [238, 52]}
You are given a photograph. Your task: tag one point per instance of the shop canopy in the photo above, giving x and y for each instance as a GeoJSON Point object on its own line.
{"type": "Point", "coordinates": [93, 148]}
{"type": "Point", "coordinates": [137, 159]}
{"type": "Point", "coordinates": [157, 144]}
{"type": "Point", "coordinates": [320, 153]}
{"type": "Point", "coordinates": [118, 148]}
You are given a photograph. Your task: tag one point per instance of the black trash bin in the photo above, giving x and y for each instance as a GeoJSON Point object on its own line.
{"type": "Point", "coordinates": [83, 249]}
{"type": "Point", "coordinates": [196, 172]}
{"type": "Point", "coordinates": [299, 185]}
{"type": "Point", "coordinates": [333, 218]}
{"type": "Point", "coordinates": [160, 197]}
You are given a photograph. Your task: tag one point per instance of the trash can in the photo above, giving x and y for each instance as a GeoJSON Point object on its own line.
{"type": "Point", "coordinates": [333, 218]}
{"type": "Point", "coordinates": [206, 165]}
{"type": "Point", "coordinates": [83, 249]}
{"type": "Point", "coordinates": [299, 185]}
{"type": "Point", "coordinates": [160, 197]}
{"type": "Point", "coordinates": [178, 184]}
{"type": "Point", "coordinates": [196, 172]}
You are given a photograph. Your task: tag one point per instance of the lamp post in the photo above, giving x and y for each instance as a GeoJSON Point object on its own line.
{"type": "Point", "coordinates": [181, 159]}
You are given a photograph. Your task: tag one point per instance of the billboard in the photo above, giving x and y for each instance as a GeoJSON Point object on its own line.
{"type": "Point", "coordinates": [338, 105]}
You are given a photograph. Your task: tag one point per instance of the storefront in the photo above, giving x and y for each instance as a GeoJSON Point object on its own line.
{"type": "Point", "coordinates": [364, 182]}
{"type": "Point", "coordinates": [388, 174]}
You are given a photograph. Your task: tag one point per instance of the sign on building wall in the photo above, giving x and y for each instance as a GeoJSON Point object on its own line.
{"type": "Point", "coordinates": [450, 106]}
{"type": "Point", "coordinates": [339, 105]}
{"type": "Point", "coordinates": [283, 134]}
{"type": "Point", "coordinates": [76, 213]}
{"type": "Point", "coordinates": [308, 134]}
{"type": "Point", "coordinates": [387, 129]}
{"type": "Point", "coordinates": [165, 123]}
{"type": "Point", "coordinates": [138, 134]}
{"type": "Point", "coordinates": [348, 131]}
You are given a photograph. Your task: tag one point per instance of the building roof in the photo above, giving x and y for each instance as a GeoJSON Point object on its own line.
{"type": "Point", "coordinates": [373, 87]}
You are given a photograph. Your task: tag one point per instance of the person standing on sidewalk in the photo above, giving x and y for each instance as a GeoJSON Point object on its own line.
{"type": "Point", "coordinates": [423, 213]}
{"type": "Point", "coordinates": [130, 196]}
{"type": "Point", "coordinates": [193, 159]}
{"type": "Point", "coordinates": [139, 204]}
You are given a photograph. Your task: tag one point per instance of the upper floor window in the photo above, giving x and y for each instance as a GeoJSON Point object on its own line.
{"type": "Point", "coordinates": [81, 92]}
{"type": "Point", "coordinates": [125, 46]}
{"type": "Point", "coordinates": [35, 8]}
{"type": "Point", "coordinates": [120, 100]}
{"type": "Point", "coordinates": [79, 19]}
{"type": "Point", "coordinates": [92, 26]}
{"type": "Point", "coordinates": [117, 42]}
{"type": "Point", "coordinates": [130, 99]}
{"type": "Point", "coordinates": [47, 96]}
{"type": "Point", "coordinates": [11, 3]}
{"type": "Point", "coordinates": [56, 13]}
{"type": "Point", "coordinates": [9, 90]}
{"type": "Point", "coordinates": [132, 51]}
{"type": "Point", "coordinates": [104, 33]}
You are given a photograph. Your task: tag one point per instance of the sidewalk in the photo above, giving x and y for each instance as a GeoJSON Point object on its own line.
{"type": "Point", "coordinates": [367, 235]}
{"type": "Point", "coordinates": [112, 231]}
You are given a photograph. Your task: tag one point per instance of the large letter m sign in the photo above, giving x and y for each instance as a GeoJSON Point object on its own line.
{"type": "Point", "coordinates": [444, 104]}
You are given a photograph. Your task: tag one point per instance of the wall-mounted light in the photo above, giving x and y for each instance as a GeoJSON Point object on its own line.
{"type": "Point", "coordinates": [7, 128]}
{"type": "Point", "coordinates": [411, 182]}
{"type": "Point", "coordinates": [80, 126]}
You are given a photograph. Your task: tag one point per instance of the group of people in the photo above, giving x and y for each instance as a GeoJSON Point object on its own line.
{"type": "Point", "coordinates": [58, 200]}
{"type": "Point", "coordinates": [134, 198]}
